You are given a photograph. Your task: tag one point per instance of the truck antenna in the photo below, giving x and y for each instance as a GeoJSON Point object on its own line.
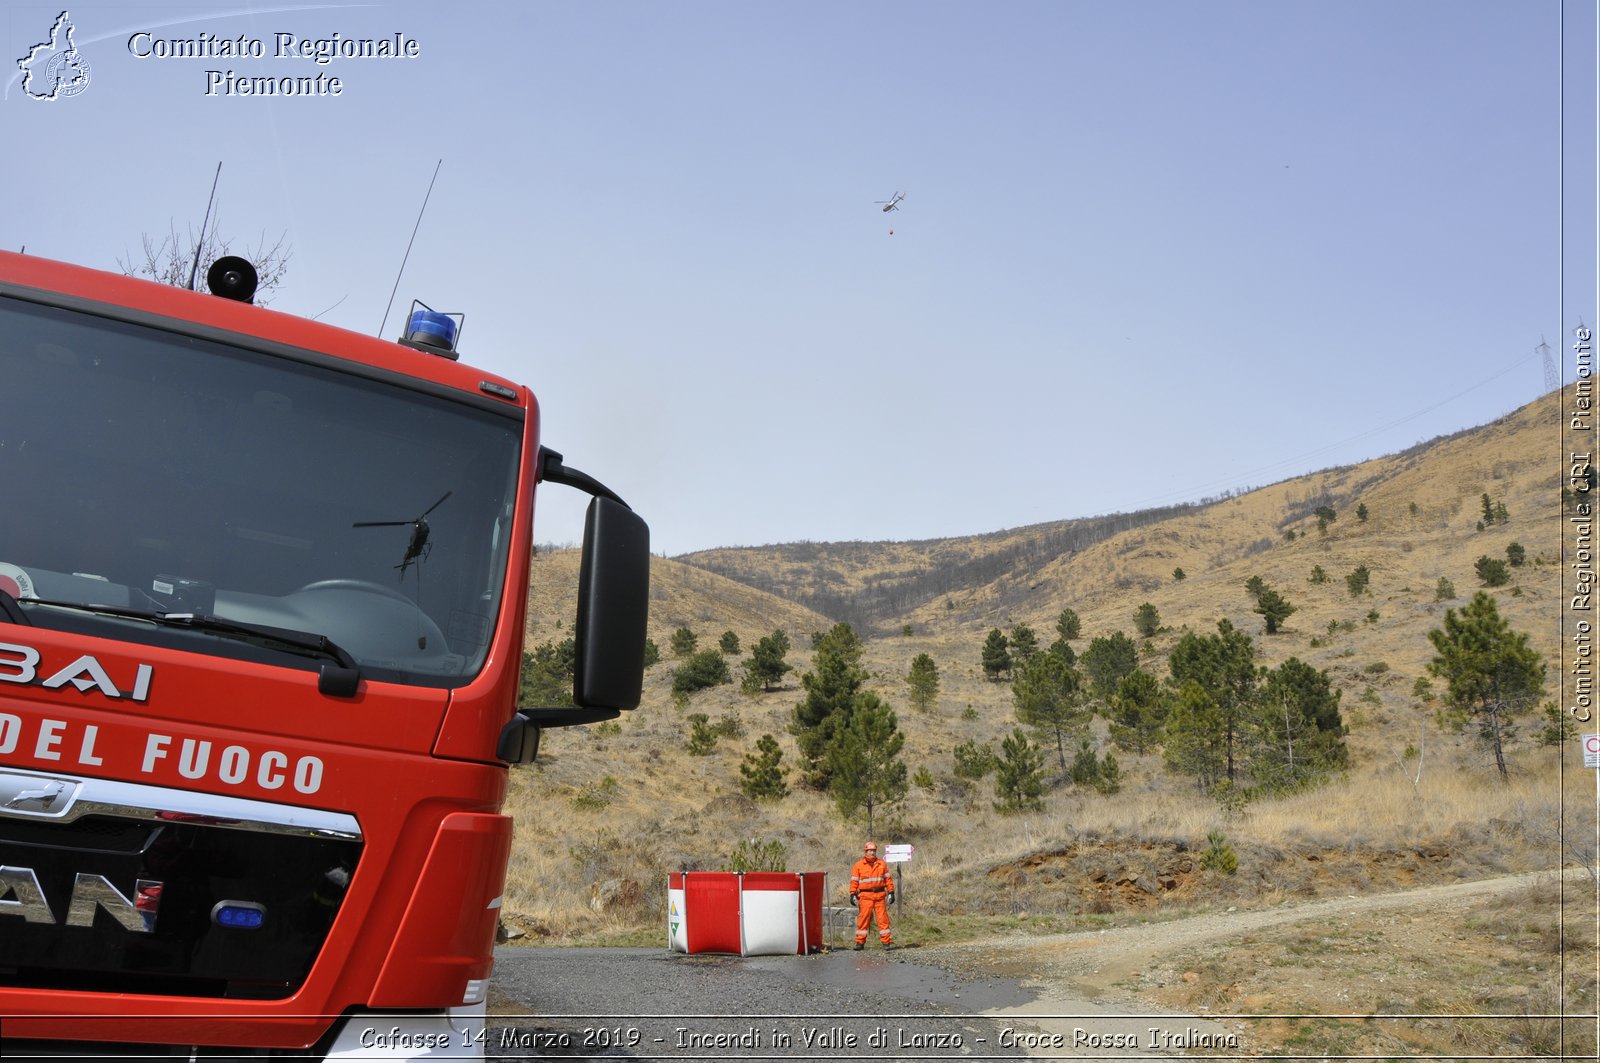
{"type": "Point", "coordinates": [407, 255]}
{"type": "Point", "coordinates": [201, 243]}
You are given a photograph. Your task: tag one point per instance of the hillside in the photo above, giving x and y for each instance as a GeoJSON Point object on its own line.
{"type": "Point", "coordinates": [1423, 507]}
{"type": "Point", "coordinates": [608, 811]}
{"type": "Point", "coordinates": [872, 585]}
{"type": "Point", "coordinates": [680, 596]}
{"type": "Point", "coordinates": [1422, 504]}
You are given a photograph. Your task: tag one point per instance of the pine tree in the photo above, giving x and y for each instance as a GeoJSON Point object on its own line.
{"type": "Point", "coordinates": [996, 657]}
{"type": "Point", "coordinates": [972, 761]}
{"type": "Point", "coordinates": [1492, 571]}
{"type": "Point", "coordinates": [1068, 626]}
{"type": "Point", "coordinates": [1024, 644]}
{"type": "Point", "coordinates": [1196, 736]}
{"type": "Point", "coordinates": [1018, 782]}
{"type": "Point", "coordinates": [1274, 608]}
{"type": "Point", "coordinates": [864, 760]}
{"type": "Point", "coordinates": [1356, 582]}
{"type": "Point", "coordinates": [1492, 672]}
{"type": "Point", "coordinates": [1224, 667]}
{"type": "Point", "coordinates": [763, 773]}
{"type": "Point", "coordinates": [924, 682]}
{"type": "Point", "coordinates": [1063, 649]}
{"type": "Point", "coordinates": [1146, 620]}
{"type": "Point", "coordinates": [702, 739]}
{"type": "Point", "coordinates": [1046, 695]}
{"type": "Point", "coordinates": [1138, 711]}
{"type": "Point", "coordinates": [1085, 765]}
{"type": "Point", "coordinates": [1107, 660]}
{"type": "Point", "coordinates": [1298, 734]}
{"type": "Point", "coordinates": [547, 675]}
{"type": "Point", "coordinates": [1110, 780]}
{"type": "Point", "coordinates": [831, 688]}
{"type": "Point", "coordinates": [766, 667]}
{"type": "Point", "coordinates": [1559, 727]}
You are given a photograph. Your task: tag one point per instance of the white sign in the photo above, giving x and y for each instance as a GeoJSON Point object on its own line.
{"type": "Point", "coordinates": [897, 854]}
{"type": "Point", "coordinates": [1591, 755]}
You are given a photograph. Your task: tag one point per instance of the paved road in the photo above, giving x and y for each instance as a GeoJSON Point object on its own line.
{"type": "Point", "coordinates": [648, 1004]}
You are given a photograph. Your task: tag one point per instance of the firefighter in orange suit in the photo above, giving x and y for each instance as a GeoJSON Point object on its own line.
{"type": "Point", "coordinates": [871, 891]}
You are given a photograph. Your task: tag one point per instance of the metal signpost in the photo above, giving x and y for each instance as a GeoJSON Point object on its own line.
{"type": "Point", "coordinates": [897, 854]}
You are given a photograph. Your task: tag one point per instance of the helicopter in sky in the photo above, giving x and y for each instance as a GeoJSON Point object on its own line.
{"type": "Point", "coordinates": [891, 204]}
{"type": "Point", "coordinates": [417, 547]}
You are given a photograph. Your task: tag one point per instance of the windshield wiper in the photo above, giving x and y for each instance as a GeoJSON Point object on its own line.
{"type": "Point", "coordinates": [339, 679]}
{"type": "Point", "coordinates": [11, 610]}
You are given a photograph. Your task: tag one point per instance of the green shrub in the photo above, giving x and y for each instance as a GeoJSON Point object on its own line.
{"type": "Point", "coordinates": [708, 668]}
{"type": "Point", "coordinates": [1219, 855]}
{"type": "Point", "coordinates": [1357, 580]}
{"type": "Point", "coordinates": [1492, 571]}
{"type": "Point", "coordinates": [702, 739]}
{"type": "Point", "coordinates": [754, 855]}
{"type": "Point", "coordinates": [973, 761]}
{"type": "Point", "coordinates": [596, 795]}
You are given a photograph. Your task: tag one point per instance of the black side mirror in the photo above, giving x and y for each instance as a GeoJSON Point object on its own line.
{"type": "Point", "coordinates": [613, 606]}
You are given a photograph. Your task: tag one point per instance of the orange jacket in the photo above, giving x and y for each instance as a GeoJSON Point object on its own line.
{"type": "Point", "coordinates": [870, 875]}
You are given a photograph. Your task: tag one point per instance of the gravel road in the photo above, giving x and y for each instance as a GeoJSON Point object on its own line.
{"type": "Point", "coordinates": [651, 1004]}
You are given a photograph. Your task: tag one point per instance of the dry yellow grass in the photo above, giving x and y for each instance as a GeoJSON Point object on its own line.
{"type": "Point", "coordinates": [593, 854]}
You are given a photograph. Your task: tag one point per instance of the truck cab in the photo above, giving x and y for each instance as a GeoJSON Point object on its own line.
{"type": "Point", "coordinates": [262, 596]}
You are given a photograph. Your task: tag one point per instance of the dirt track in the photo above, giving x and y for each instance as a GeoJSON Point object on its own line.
{"type": "Point", "coordinates": [1134, 970]}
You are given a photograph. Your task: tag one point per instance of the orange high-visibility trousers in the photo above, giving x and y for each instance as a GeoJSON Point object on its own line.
{"type": "Point", "coordinates": [869, 883]}
{"type": "Point", "coordinates": [867, 906]}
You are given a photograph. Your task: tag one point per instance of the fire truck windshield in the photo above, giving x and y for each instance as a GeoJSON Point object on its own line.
{"type": "Point", "coordinates": [153, 471]}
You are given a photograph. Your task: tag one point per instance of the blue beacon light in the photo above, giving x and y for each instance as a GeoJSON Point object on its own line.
{"type": "Point", "coordinates": [432, 328]}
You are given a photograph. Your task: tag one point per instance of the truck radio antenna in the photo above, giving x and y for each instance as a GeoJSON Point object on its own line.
{"type": "Point", "coordinates": [199, 245]}
{"type": "Point", "coordinates": [404, 258]}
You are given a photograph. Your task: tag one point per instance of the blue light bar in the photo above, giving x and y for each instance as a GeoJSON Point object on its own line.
{"type": "Point", "coordinates": [432, 328]}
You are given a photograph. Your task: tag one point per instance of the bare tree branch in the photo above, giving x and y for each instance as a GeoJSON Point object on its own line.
{"type": "Point", "coordinates": [171, 260]}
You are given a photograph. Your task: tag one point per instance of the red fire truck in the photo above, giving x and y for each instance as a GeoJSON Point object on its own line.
{"type": "Point", "coordinates": [262, 595]}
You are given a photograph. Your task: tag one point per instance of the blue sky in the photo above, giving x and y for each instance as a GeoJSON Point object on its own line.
{"type": "Point", "coordinates": [1150, 251]}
